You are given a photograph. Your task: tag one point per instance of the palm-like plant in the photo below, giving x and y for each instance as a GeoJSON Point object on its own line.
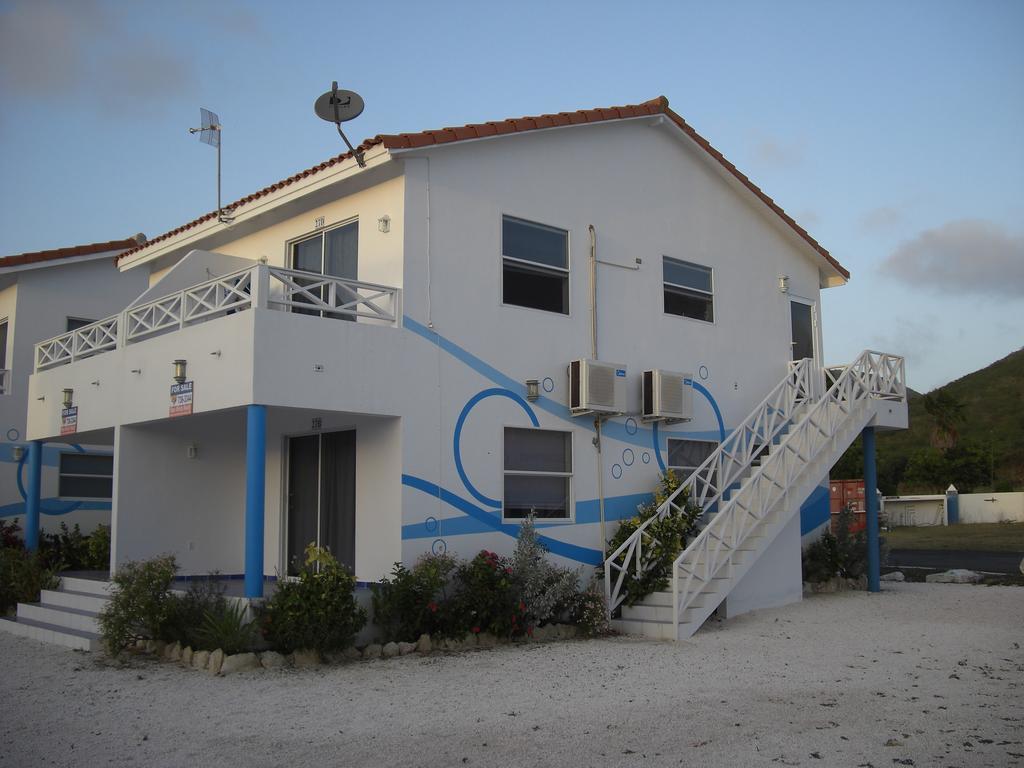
{"type": "Point", "coordinates": [947, 411]}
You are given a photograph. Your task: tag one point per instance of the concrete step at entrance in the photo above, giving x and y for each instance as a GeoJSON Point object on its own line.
{"type": "Point", "coordinates": [82, 601]}
{"type": "Point", "coordinates": [86, 586]}
{"type": "Point", "coordinates": [59, 616]}
{"type": "Point", "coordinates": [51, 633]}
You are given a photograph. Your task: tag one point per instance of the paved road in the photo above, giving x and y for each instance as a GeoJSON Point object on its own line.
{"type": "Point", "coordinates": [993, 562]}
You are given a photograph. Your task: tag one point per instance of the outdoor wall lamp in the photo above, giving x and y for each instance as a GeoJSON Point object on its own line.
{"type": "Point", "coordinates": [532, 390]}
{"type": "Point", "coordinates": [783, 283]}
{"type": "Point", "coordinates": [179, 371]}
{"type": "Point", "coordinates": [69, 397]}
{"type": "Point", "coordinates": [384, 223]}
{"type": "Point", "coordinates": [17, 453]}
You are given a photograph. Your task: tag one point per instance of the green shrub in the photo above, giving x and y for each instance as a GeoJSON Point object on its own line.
{"type": "Point", "coordinates": [590, 612]}
{"type": "Point", "coordinates": [841, 554]}
{"type": "Point", "coordinates": [22, 575]}
{"type": "Point", "coordinates": [416, 601]}
{"type": "Point", "coordinates": [487, 600]}
{"type": "Point", "coordinates": [71, 550]}
{"type": "Point", "coordinates": [317, 612]}
{"type": "Point", "coordinates": [226, 628]}
{"type": "Point", "coordinates": [10, 535]}
{"type": "Point", "coordinates": [672, 533]}
{"type": "Point", "coordinates": [140, 604]}
{"type": "Point", "coordinates": [546, 591]}
{"type": "Point", "coordinates": [98, 550]}
{"type": "Point", "coordinates": [186, 613]}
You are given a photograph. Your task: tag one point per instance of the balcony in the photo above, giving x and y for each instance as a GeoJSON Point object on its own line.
{"type": "Point", "coordinates": [260, 286]}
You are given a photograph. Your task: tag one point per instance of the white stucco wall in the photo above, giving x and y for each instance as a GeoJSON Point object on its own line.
{"type": "Point", "coordinates": [775, 579]}
{"type": "Point", "coordinates": [992, 507]}
{"type": "Point", "coordinates": [37, 305]}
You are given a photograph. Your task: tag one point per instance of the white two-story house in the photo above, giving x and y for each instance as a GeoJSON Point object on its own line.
{"type": "Point", "coordinates": [45, 294]}
{"type": "Point", "coordinates": [386, 360]}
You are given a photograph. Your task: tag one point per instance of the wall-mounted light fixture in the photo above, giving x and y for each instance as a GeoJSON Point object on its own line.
{"type": "Point", "coordinates": [384, 223]}
{"type": "Point", "coordinates": [180, 371]}
{"type": "Point", "coordinates": [532, 390]}
{"type": "Point", "coordinates": [783, 283]}
{"type": "Point", "coordinates": [18, 452]}
{"type": "Point", "coordinates": [69, 397]}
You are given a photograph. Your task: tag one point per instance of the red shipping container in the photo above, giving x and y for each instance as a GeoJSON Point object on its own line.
{"type": "Point", "coordinates": [848, 493]}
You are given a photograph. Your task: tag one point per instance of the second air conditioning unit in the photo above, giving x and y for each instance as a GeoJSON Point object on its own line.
{"type": "Point", "coordinates": [596, 387]}
{"type": "Point", "coordinates": [666, 396]}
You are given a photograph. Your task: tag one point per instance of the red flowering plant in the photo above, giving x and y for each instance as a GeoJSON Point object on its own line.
{"type": "Point", "coordinates": [415, 601]}
{"type": "Point", "coordinates": [487, 600]}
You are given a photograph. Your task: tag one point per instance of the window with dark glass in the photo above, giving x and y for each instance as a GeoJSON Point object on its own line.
{"type": "Point", "coordinates": [333, 252]}
{"type": "Point", "coordinates": [535, 265]}
{"type": "Point", "coordinates": [74, 323]}
{"type": "Point", "coordinates": [538, 474]}
{"type": "Point", "coordinates": [688, 289]}
{"type": "Point", "coordinates": [687, 455]}
{"type": "Point", "coordinates": [86, 476]}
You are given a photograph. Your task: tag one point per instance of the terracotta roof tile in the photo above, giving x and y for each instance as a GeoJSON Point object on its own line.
{"type": "Point", "coordinates": [655, 106]}
{"type": "Point", "coordinates": [65, 253]}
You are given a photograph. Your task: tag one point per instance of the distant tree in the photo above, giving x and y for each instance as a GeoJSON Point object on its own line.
{"type": "Point", "coordinates": [946, 411]}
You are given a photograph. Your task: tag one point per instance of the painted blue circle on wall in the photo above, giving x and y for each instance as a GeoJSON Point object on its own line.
{"type": "Point", "coordinates": [703, 372]}
{"type": "Point", "coordinates": [13, 434]}
{"type": "Point", "coordinates": [548, 384]}
{"type": "Point", "coordinates": [645, 457]}
{"type": "Point", "coordinates": [628, 457]}
{"type": "Point", "coordinates": [616, 471]}
{"type": "Point", "coordinates": [430, 524]}
{"type": "Point", "coordinates": [631, 427]}
{"type": "Point", "coordinates": [438, 547]}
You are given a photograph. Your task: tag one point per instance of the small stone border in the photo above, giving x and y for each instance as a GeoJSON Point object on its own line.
{"type": "Point", "coordinates": [218, 663]}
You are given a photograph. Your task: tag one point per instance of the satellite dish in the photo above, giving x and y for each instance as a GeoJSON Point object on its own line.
{"type": "Point", "coordinates": [338, 106]}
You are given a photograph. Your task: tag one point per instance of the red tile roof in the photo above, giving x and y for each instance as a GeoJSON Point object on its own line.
{"type": "Point", "coordinates": [75, 250]}
{"type": "Point", "coordinates": [400, 141]}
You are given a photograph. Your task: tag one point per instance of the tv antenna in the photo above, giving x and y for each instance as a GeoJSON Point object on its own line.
{"type": "Point", "coordinates": [337, 107]}
{"type": "Point", "coordinates": [209, 133]}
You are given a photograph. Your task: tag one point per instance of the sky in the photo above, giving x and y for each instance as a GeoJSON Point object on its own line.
{"type": "Point", "coordinates": [892, 131]}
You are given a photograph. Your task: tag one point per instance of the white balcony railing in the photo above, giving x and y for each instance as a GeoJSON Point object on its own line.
{"type": "Point", "coordinates": [260, 286]}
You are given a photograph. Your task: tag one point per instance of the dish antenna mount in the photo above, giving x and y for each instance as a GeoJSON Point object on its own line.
{"type": "Point", "coordinates": [209, 133]}
{"type": "Point", "coordinates": [337, 107]}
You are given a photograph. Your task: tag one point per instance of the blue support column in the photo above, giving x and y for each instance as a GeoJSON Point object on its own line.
{"type": "Point", "coordinates": [255, 492]}
{"type": "Point", "coordinates": [33, 501]}
{"type": "Point", "coordinates": [871, 506]}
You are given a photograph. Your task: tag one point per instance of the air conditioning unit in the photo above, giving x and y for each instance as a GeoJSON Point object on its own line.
{"type": "Point", "coordinates": [666, 397]}
{"type": "Point", "coordinates": [596, 387]}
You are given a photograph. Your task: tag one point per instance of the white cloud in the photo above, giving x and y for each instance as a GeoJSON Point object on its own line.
{"type": "Point", "coordinates": [969, 256]}
{"type": "Point", "coordinates": [777, 153]}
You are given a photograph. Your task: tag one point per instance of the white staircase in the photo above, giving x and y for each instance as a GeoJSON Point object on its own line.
{"type": "Point", "coordinates": [63, 616]}
{"type": "Point", "coordinates": [752, 486]}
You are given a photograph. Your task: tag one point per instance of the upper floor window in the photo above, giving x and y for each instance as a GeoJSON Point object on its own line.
{"type": "Point", "coordinates": [535, 265]}
{"type": "Point", "coordinates": [538, 474]}
{"type": "Point", "coordinates": [86, 476]}
{"type": "Point", "coordinates": [687, 455]}
{"type": "Point", "coordinates": [688, 289]}
{"type": "Point", "coordinates": [74, 323]}
{"type": "Point", "coordinates": [333, 252]}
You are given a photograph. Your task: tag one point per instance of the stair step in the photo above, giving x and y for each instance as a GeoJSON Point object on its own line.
{"type": "Point", "coordinates": [659, 630]}
{"type": "Point", "coordinates": [640, 612]}
{"type": "Point", "coordinates": [51, 633]}
{"type": "Point", "coordinates": [85, 586]}
{"type": "Point", "coordinates": [60, 616]}
{"type": "Point", "coordinates": [82, 601]}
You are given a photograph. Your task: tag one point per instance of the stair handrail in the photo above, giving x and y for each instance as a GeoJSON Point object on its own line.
{"type": "Point", "coordinates": [709, 481]}
{"type": "Point", "coordinates": [873, 375]}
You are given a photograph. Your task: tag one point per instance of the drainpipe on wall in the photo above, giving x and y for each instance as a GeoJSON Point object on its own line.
{"type": "Point", "coordinates": [593, 354]}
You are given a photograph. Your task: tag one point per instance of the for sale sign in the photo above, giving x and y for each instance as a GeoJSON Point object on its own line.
{"type": "Point", "coordinates": [181, 399]}
{"type": "Point", "coordinates": [69, 420]}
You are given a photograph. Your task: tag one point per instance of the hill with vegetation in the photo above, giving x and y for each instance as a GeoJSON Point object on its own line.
{"type": "Point", "coordinates": [969, 432]}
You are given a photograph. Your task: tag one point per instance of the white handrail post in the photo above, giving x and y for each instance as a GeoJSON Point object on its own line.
{"type": "Point", "coordinates": [181, 308]}
{"type": "Point", "coordinates": [259, 287]}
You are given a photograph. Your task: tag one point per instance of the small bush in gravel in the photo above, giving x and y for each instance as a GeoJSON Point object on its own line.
{"type": "Point", "coordinates": [547, 591]}
{"type": "Point", "coordinates": [843, 554]}
{"type": "Point", "coordinates": [186, 613]}
{"type": "Point", "coordinates": [415, 601]}
{"type": "Point", "coordinates": [140, 603]}
{"type": "Point", "coordinates": [590, 613]}
{"type": "Point", "coordinates": [226, 628]}
{"type": "Point", "coordinates": [23, 575]}
{"type": "Point", "coordinates": [318, 612]}
{"type": "Point", "coordinates": [487, 600]}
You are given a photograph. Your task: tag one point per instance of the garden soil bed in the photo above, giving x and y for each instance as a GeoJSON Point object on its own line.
{"type": "Point", "coordinates": [921, 674]}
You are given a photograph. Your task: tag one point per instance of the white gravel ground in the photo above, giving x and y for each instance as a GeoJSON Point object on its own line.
{"type": "Point", "coordinates": [923, 674]}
